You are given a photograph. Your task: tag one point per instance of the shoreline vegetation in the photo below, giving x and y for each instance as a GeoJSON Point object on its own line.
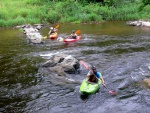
{"type": "Point", "coordinates": [18, 12]}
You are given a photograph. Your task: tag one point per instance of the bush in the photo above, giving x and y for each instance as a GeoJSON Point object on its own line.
{"type": "Point", "coordinates": [52, 17]}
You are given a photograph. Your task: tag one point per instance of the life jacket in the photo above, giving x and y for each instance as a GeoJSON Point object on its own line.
{"type": "Point", "coordinates": [52, 31]}
{"type": "Point", "coordinates": [92, 78]}
{"type": "Point", "coordinates": [74, 36]}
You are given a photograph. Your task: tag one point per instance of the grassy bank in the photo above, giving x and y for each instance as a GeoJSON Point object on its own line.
{"type": "Point", "coordinates": [16, 12]}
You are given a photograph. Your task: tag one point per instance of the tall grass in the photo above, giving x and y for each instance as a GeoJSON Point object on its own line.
{"type": "Point", "coordinates": [15, 12]}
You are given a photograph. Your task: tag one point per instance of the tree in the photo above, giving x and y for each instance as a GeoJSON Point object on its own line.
{"type": "Point", "coordinates": [144, 3]}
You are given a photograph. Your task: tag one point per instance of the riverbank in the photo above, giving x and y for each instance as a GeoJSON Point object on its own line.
{"type": "Point", "coordinates": [34, 11]}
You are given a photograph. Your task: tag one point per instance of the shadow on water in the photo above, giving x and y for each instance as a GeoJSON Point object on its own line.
{"type": "Point", "coordinates": [120, 53]}
{"type": "Point", "coordinates": [84, 97]}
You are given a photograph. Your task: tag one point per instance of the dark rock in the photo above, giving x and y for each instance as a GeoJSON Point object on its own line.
{"type": "Point", "coordinates": [62, 64]}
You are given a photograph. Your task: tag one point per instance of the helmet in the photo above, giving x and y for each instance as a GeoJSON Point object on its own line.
{"type": "Point", "coordinates": [51, 27]}
{"type": "Point", "coordinates": [73, 31]}
{"type": "Point", "coordinates": [93, 68]}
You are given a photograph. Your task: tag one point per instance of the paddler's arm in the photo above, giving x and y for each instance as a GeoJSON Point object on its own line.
{"type": "Point", "coordinates": [55, 30]}
{"type": "Point", "coordinates": [103, 82]}
{"type": "Point", "coordinates": [89, 74]}
{"type": "Point", "coordinates": [49, 32]}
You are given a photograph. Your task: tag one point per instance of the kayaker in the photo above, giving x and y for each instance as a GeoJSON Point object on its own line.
{"type": "Point", "coordinates": [93, 75]}
{"type": "Point", "coordinates": [52, 30]}
{"type": "Point", "coordinates": [73, 35]}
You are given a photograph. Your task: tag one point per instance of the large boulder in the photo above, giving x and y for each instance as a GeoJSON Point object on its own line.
{"type": "Point", "coordinates": [61, 69]}
{"type": "Point", "coordinates": [62, 64]}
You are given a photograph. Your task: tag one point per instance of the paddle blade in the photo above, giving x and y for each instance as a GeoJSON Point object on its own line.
{"type": "Point", "coordinates": [57, 26]}
{"type": "Point", "coordinates": [78, 32]}
{"type": "Point", "coordinates": [112, 92]}
{"type": "Point", "coordinates": [45, 37]}
{"type": "Point", "coordinates": [85, 65]}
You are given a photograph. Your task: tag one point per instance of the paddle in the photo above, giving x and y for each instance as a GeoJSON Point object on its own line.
{"type": "Point", "coordinates": [45, 37]}
{"type": "Point", "coordinates": [86, 66]}
{"type": "Point", "coordinates": [57, 26]}
{"type": "Point", "coordinates": [110, 91]}
{"type": "Point", "coordinates": [78, 32]}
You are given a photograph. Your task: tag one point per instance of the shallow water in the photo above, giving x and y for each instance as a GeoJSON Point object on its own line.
{"type": "Point", "coordinates": [121, 53]}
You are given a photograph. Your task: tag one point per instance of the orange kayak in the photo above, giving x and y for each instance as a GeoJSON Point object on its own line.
{"type": "Point", "coordinates": [53, 35]}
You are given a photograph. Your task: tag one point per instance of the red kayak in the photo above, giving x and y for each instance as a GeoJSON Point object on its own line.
{"type": "Point", "coordinates": [67, 40]}
{"type": "Point", "coordinates": [53, 35]}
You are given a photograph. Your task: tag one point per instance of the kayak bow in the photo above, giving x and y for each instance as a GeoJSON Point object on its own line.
{"type": "Point", "coordinates": [53, 35]}
{"type": "Point", "coordinates": [88, 88]}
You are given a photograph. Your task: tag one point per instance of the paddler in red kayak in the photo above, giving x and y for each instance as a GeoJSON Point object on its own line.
{"type": "Point", "coordinates": [73, 35]}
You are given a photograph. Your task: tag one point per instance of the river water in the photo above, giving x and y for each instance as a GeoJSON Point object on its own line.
{"type": "Point", "coordinates": [120, 52]}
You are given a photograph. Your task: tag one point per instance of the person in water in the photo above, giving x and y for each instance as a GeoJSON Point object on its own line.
{"type": "Point", "coordinates": [73, 35]}
{"type": "Point", "coordinates": [93, 76]}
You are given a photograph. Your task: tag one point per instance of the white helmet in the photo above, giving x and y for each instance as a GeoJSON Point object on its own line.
{"type": "Point", "coordinates": [51, 27]}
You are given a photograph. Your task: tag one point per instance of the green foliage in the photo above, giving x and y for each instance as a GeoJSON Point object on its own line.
{"type": "Point", "coordinates": [144, 3]}
{"type": "Point", "coordinates": [12, 22]}
{"type": "Point", "coordinates": [15, 12]}
{"type": "Point", "coordinates": [84, 2]}
{"type": "Point", "coordinates": [33, 2]}
{"type": "Point", "coordinates": [3, 23]}
{"type": "Point", "coordinates": [52, 16]}
{"type": "Point", "coordinates": [4, 14]}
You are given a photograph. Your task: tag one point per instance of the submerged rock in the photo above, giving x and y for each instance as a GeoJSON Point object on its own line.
{"type": "Point", "coordinates": [146, 82]}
